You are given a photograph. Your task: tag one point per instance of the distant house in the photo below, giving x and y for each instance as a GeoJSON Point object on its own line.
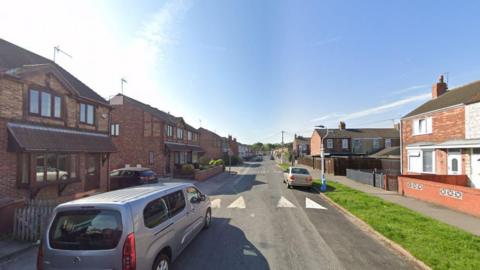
{"type": "Point", "coordinates": [301, 146]}
{"type": "Point", "coordinates": [54, 130]}
{"type": "Point", "coordinates": [148, 137]}
{"type": "Point", "coordinates": [211, 143]}
{"type": "Point", "coordinates": [442, 136]}
{"type": "Point", "coordinates": [245, 151]}
{"type": "Point", "coordinates": [347, 142]}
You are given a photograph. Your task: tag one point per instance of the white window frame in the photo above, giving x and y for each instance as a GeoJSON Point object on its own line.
{"type": "Point", "coordinates": [329, 143]}
{"type": "Point", "coordinates": [422, 126]}
{"type": "Point", "coordinates": [189, 135]}
{"type": "Point", "coordinates": [115, 130]}
{"type": "Point", "coordinates": [376, 144]}
{"type": "Point", "coordinates": [344, 143]}
{"type": "Point", "coordinates": [388, 143]}
{"type": "Point", "coordinates": [418, 155]}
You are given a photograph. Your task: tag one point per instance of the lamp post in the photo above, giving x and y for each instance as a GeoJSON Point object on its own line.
{"type": "Point", "coordinates": [322, 156]}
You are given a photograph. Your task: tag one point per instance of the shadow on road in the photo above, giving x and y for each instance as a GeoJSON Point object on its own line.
{"type": "Point", "coordinates": [245, 184]}
{"type": "Point", "coordinates": [222, 246]}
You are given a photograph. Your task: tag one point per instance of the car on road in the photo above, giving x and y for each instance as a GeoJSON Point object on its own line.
{"type": "Point", "coordinates": [297, 176]}
{"type": "Point", "coordinates": [131, 176]}
{"type": "Point", "coordinates": [258, 159]}
{"type": "Point", "coordinates": [143, 227]}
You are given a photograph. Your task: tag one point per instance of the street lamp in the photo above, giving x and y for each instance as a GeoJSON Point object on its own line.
{"type": "Point", "coordinates": [322, 156]}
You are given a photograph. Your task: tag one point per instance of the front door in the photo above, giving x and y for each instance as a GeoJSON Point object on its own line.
{"type": "Point", "coordinates": [92, 178]}
{"type": "Point", "coordinates": [454, 162]}
{"type": "Point", "coordinates": [475, 163]}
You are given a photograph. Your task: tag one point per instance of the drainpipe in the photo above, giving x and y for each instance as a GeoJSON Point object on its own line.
{"type": "Point", "coordinates": [401, 148]}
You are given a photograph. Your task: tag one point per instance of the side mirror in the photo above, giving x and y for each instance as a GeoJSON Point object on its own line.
{"type": "Point", "coordinates": [203, 197]}
{"type": "Point", "coordinates": [194, 200]}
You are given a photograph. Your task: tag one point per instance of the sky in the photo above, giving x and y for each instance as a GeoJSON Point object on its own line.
{"type": "Point", "coordinates": [254, 68]}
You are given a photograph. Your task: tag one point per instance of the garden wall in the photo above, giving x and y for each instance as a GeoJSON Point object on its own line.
{"type": "Point", "coordinates": [201, 175]}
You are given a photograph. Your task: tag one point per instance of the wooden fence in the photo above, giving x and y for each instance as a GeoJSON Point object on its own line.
{"type": "Point", "coordinates": [30, 221]}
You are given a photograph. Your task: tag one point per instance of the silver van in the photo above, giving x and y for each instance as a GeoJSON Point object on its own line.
{"type": "Point", "coordinates": [143, 227]}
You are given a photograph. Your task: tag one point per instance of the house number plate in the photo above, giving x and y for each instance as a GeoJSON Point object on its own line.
{"type": "Point", "coordinates": [416, 186]}
{"type": "Point", "coordinates": [451, 193]}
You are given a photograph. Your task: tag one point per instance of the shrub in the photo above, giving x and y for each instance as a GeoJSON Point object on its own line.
{"type": "Point", "coordinates": [204, 160]}
{"type": "Point", "coordinates": [187, 169]}
{"type": "Point", "coordinates": [212, 162]}
{"type": "Point", "coordinates": [218, 162]}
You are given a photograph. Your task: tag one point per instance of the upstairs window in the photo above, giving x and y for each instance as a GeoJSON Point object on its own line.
{"type": "Point", "coordinates": [44, 104]}
{"type": "Point", "coordinates": [388, 143]}
{"type": "Point", "coordinates": [190, 135]}
{"type": "Point", "coordinates": [376, 144]}
{"type": "Point", "coordinates": [195, 137]}
{"type": "Point", "coordinates": [329, 143]}
{"type": "Point", "coordinates": [422, 126]}
{"type": "Point", "coordinates": [179, 133]}
{"type": "Point", "coordinates": [169, 130]}
{"type": "Point", "coordinates": [345, 143]}
{"type": "Point", "coordinates": [87, 114]}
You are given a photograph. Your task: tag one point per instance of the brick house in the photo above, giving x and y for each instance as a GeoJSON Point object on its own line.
{"type": "Point", "coordinates": [244, 151]}
{"type": "Point", "coordinates": [344, 141]}
{"type": "Point", "coordinates": [233, 146]}
{"type": "Point", "coordinates": [211, 143]}
{"type": "Point", "coordinates": [442, 136]}
{"type": "Point", "coordinates": [148, 137]}
{"type": "Point", "coordinates": [54, 141]}
{"type": "Point", "coordinates": [301, 146]}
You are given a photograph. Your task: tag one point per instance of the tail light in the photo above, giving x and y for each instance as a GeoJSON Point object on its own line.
{"type": "Point", "coordinates": [309, 178]}
{"type": "Point", "coordinates": [40, 256]}
{"type": "Point", "coordinates": [292, 177]}
{"type": "Point", "coordinates": [129, 258]}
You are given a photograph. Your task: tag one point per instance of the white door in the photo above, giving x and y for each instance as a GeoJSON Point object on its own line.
{"type": "Point", "coordinates": [475, 163]}
{"type": "Point", "coordinates": [454, 161]}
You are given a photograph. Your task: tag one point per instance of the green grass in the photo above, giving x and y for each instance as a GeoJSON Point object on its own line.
{"type": "Point", "coordinates": [284, 166]}
{"type": "Point", "coordinates": [437, 244]}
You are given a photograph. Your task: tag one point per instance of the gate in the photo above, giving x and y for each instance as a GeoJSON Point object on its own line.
{"type": "Point", "coordinates": [30, 221]}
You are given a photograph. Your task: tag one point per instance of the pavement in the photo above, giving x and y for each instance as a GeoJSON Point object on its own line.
{"type": "Point", "coordinates": [460, 220]}
{"type": "Point", "coordinates": [258, 223]}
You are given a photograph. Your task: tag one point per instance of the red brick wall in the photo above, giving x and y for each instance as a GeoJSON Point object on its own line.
{"type": "Point", "coordinates": [201, 175]}
{"type": "Point", "coordinates": [315, 143]}
{"type": "Point", "coordinates": [468, 202]}
{"type": "Point", "coordinates": [446, 125]}
{"type": "Point", "coordinates": [211, 143]}
{"type": "Point", "coordinates": [138, 136]}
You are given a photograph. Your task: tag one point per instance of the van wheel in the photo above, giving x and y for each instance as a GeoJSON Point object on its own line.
{"type": "Point", "coordinates": [162, 263]}
{"type": "Point", "coordinates": [208, 219]}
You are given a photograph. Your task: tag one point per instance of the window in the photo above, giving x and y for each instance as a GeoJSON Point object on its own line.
{"type": "Point", "coordinates": [376, 144]}
{"type": "Point", "coordinates": [86, 230]}
{"type": "Point", "coordinates": [300, 171]}
{"type": "Point", "coordinates": [189, 135]}
{"type": "Point", "coordinates": [115, 130]}
{"type": "Point", "coordinates": [151, 157]}
{"type": "Point", "coordinates": [388, 143]}
{"type": "Point", "coordinates": [34, 101]}
{"type": "Point", "coordinates": [44, 104]}
{"type": "Point", "coordinates": [193, 193]}
{"type": "Point", "coordinates": [427, 160]}
{"type": "Point", "coordinates": [345, 143]}
{"type": "Point", "coordinates": [422, 126]}
{"type": "Point", "coordinates": [155, 213]}
{"type": "Point", "coordinates": [195, 137]}
{"type": "Point", "coordinates": [330, 143]}
{"type": "Point", "coordinates": [169, 130]}
{"type": "Point", "coordinates": [54, 167]}
{"type": "Point", "coordinates": [175, 202]}
{"type": "Point", "coordinates": [87, 114]}
{"type": "Point", "coordinates": [179, 133]}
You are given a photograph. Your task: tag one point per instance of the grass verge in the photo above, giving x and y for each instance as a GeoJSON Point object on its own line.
{"type": "Point", "coordinates": [437, 244]}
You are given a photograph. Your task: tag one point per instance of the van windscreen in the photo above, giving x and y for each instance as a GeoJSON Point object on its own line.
{"type": "Point", "coordinates": [86, 230]}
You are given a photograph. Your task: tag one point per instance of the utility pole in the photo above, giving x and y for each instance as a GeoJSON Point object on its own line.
{"type": "Point", "coordinates": [282, 156]}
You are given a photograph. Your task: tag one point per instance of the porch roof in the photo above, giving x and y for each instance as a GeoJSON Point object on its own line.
{"type": "Point", "coordinates": [27, 137]}
{"type": "Point", "coordinates": [467, 143]}
{"type": "Point", "coordinates": [180, 147]}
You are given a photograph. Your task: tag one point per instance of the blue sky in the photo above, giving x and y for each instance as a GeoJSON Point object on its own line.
{"type": "Point", "coordinates": [253, 68]}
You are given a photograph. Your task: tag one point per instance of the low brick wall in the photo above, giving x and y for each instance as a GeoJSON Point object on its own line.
{"type": "Point", "coordinates": [460, 198]}
{"type": "Point", "coordinates": [201, 175]}
{"type": "Point", "coordinates": [457, 180]}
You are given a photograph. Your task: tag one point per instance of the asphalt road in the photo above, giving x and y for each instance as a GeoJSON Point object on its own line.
{"type": "Point", "coordinates": [260, 224]}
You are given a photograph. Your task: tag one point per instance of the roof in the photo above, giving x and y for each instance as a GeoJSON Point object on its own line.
{"type": "Point", "coordinates": [27, 137]}
{"type": "Point", "coordinates": [201, 129]}
{"type": "Point", "coordinates": [13, 56]}
{"type": "Point", "coordinates": [358, 133]}
{"type": "Point", "coordinates": [469, 93]}
{"type": "Point", "coordinates": [180, 147]}
{"type": "Point", "coordinates": [127, 194]}
{"type": "Point", "coordinates": [388, 152]}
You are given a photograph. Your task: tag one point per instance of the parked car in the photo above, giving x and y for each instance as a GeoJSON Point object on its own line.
{"type": "Point", "coordinates": [143, 227]}
{"type": "Point", "coordinates": [295, 176]}
{"type": "Point", "coordinates": [130, 177]}
{"type": "Point", "coordinates": [258, 159]}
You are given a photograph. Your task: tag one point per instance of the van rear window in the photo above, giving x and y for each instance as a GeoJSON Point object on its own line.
{"type": "Point", "coordinates": [86, 230]}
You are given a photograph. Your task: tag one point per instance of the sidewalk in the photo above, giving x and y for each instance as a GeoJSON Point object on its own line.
{"type": "Point", "coordinates": [11, 248]}
{"type": "Point", "coordinates": [463, 221]}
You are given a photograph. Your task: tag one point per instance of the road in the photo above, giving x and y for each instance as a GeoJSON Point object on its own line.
{"type": "Point", "coordinates": [260, 224]}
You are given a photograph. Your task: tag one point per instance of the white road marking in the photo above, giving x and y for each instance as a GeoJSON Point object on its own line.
{"type": "Point", "coordinates": [238, 203]}
{"type": "Point", "coordinates": [285, 203]}
{"type": "Point", "coordinates": [216, 203]}
{"type": "Point", "coordinates": [311, 204]}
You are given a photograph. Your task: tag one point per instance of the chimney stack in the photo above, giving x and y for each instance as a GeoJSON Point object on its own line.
{"type": "Point", "coordinates": [342, 125]}
{"type": "Point", "coordinates": [439, 88]}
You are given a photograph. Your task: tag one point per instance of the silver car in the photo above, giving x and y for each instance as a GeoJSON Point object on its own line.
{"type": "Point", "coordinates": [144, 227]}
{"type": "Point", "coordinates": [296, 176]}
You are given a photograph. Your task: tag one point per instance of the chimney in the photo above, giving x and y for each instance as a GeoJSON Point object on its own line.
{"type": "Point", "coordinates": [234, 139]}
{"type": "Point", "coordinates": [439, 88]}
{"type": "Point", "coordinates": [341, 125]}
{"type": "Point", "coordinates": [229, 137]}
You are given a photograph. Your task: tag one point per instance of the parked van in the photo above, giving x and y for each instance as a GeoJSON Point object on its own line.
{"type": "Point", "coordinates": [143, 227]}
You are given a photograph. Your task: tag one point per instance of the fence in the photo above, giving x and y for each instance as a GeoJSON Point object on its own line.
{"type": "Point", "coordinates": [376, 178]}
{"type": "Point", "coordinates": [31, 221]}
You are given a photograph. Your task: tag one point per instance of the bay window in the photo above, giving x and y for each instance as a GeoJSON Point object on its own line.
{"type": "Point", "coordinates": [50, 167]}
{"type": "Point", "coordinates": [421, 161]}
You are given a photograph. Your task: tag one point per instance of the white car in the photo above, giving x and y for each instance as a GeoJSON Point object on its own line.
{"type": "Point", "coordinates": [296, 176]}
